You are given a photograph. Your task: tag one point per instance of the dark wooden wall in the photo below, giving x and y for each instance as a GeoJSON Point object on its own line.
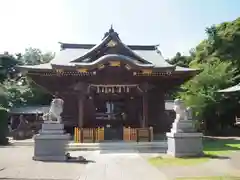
{"type": "Point", "coordinates": [156, 105]}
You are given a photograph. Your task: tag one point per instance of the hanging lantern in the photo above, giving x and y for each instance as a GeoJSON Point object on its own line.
{"type": "Point", "coordinates": [98, 89]}
{"type": "Point", "coordinates": [127, 89]}
{"type": "Point", "coordinates": [113, 89]}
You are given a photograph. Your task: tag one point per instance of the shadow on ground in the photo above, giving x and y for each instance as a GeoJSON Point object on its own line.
{"type": "Point", "coordinates": [210, 156]}
{"type": "Point", "coordinates": [79, 160]}
{"type": "Point", "coordinates": [216, 144]}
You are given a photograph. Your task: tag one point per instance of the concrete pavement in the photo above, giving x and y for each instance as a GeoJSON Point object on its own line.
{"type": "Point", "coordinates": [16, 163]}
{"type": "Point", "coordinates": [120, 165]}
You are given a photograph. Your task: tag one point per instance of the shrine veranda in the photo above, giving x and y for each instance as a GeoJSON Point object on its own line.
{"type": "Point", "coordinates": [111, 85]}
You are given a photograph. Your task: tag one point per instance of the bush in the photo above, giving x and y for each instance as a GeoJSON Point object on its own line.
{"type": "Point", "coordinates": [3, 126]}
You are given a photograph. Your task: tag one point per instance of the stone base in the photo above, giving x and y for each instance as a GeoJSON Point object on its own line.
{"type": "Point", "coordinates": [184, 144]}
{"type": "Point", "coordinates": [50, 144]}
{"type": "Point", "coordinates": [183, 126]}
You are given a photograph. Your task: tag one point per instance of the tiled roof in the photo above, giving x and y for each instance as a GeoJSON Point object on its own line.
{"type": "Point", "coordinates": [91, 54]}
{"type": "Point", "coordinates": [72, 53]}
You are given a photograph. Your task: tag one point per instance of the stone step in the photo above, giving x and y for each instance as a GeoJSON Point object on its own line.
{"type": "Point", "coordinates": [119, 146]}
{"type": "Point", "coordinates": [158, 145]}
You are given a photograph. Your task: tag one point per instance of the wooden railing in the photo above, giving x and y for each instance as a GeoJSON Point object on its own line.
{"type": "Point", "coordinates": [99, 134]}
{"type": "Point", "coordinates": [85, 135]}
{"type": "Point", "coordinates": [138, 134]}
{"type": "Point", "coordinates": [129, 134]}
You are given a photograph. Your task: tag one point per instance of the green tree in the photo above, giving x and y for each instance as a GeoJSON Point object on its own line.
{"type": "Point", "coordinates": [16, 90]}
{"type": "Point", "coordinates": [7, 66]}
{"type": "Point", "coordinates": [201, 92]}
{"type": "Point", "coordinates": [223, 41]}
{"type": "Point", "coordinates": [180, 60]}
{"type": "Point", "coordinates": [34, 56]}
{"type": "Point", "coordinates": [3, 126]}
{"type": "Point", "coordinates": [219, 57]}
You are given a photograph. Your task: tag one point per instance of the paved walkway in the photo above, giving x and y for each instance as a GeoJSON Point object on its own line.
{"type": "Point", "coordinates": [120, 165]}
{"type": "Point", "coordinates": [16, 163]}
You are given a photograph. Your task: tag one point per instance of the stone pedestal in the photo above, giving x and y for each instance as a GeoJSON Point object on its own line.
{"type": "Point", "coordinates": [184, 144]}
{"type": "Point", "coordinates": [183, 140]}
{"type": "Point", "coordinates": [51, 142]}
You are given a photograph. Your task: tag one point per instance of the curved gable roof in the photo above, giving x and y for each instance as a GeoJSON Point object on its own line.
{"type": "Point", "coordinates": [111, 42]}
{"type": "Point", "coordinates": [88, 53]}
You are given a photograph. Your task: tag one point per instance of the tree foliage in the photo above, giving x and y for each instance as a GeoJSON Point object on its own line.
{"type": "Point", "coordinates": [34, 56]}
{"type": "Point", "coordinates": [180, 60]}
{"type": "Point", "coordinates": [7, 64]}
{"type": "Point", "coordinates": [18, 90]}
{"type": "Point", "coordinates": [219, 58]}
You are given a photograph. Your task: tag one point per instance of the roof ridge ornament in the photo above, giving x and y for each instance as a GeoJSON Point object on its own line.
{"type": "Point", "coordinates": [157, 49]}
{"type": "Point", "coordinates": [110, 32]}
{"type": "Point", "coordinates": [111, 29]}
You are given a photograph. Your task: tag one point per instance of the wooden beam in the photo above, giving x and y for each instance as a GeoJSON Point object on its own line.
{"type": "Point", "coordinates": [80, 110]}
{"type": "Point", "coordinates": [145, 109]}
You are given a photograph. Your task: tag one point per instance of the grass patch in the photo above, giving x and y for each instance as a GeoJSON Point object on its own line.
{"type": "Point", "coordinates": [213, 148]}
{"type": "Point", "coordinates": [220, 147]}
{"type": "Point", "coordinates": [170, 161]}
{"type": "Point", "coordinates": [209, 178]}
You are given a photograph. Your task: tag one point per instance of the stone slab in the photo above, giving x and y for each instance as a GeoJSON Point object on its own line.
{"type": "Point", "coordinates": [52, 147]}
{"type": "Point", "coordinates": [51, 143]}
{"type": "Point", "coordinates": [183, 126]}
{"type": "Point", "coordinates": [183, 135]}
{"type": "Point", "coordinates": [52, 131]}
{"type": "Point", "coordinates": [52, 126]}
{"type": "Point", "coordinates": [52, 136]}
{"type": "Point", "coordinates": [185, 144]}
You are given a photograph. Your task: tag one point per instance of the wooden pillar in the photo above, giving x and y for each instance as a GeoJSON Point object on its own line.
{"type": "Point", "coordinates": [80, 110]}
{"type": "Point", "coordinates": [157, 116]}
{"type": "Point", "coordinates": [145, 110]}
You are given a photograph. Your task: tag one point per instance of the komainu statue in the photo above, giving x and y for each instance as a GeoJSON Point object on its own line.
{"type": "Point", "coordinates": [189, 113]}
{"type": "Point", "coordinates": [55, 111]}
{"type": "Point", "coordinates": [180, 109]}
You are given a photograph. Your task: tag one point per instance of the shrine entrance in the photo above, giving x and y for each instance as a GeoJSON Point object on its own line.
{"type": "Point", "coordinates": [115, 109]}
{"type": "Point", "coordinates": [110, 115]}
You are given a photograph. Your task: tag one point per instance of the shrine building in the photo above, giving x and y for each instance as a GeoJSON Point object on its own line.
{"type": "Point", "coordinates": [111, 84]}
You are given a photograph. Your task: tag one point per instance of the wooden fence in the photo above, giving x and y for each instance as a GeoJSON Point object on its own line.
{"type": "Point", "coordinates": [84, 135]}
{"type": "Point", "coordinates": [138, 134]}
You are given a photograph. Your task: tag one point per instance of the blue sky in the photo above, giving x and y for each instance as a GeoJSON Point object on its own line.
{"type": "Point", "coordinates": [177, 25]}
